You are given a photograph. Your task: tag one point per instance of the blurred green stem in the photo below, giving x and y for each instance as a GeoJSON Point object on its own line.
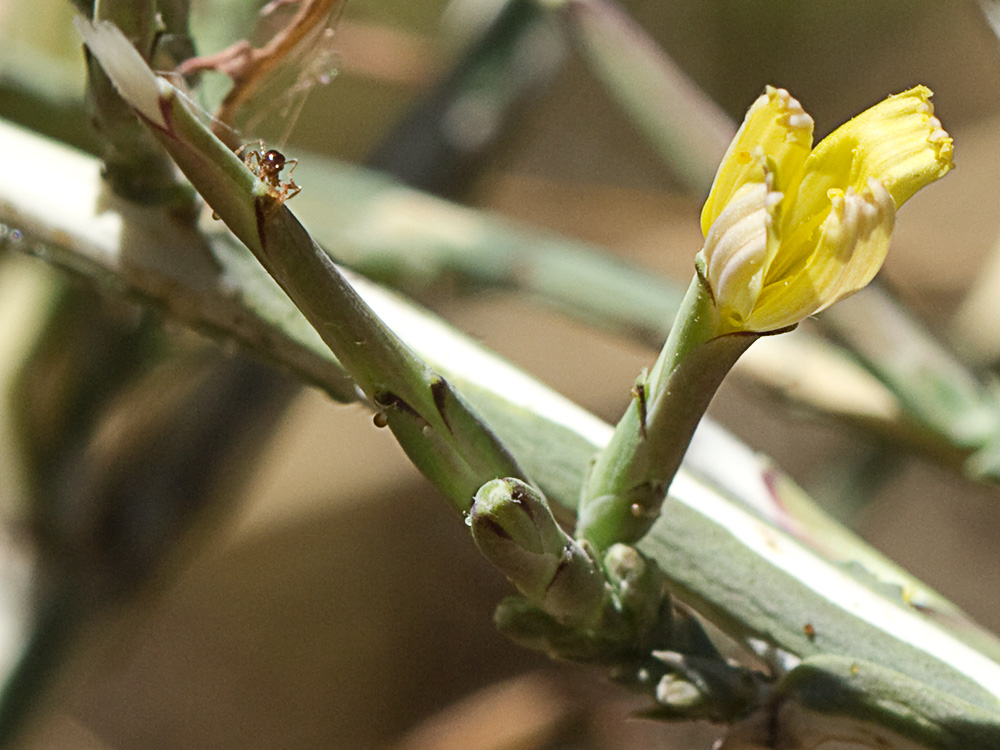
{"type": "Point", "coordinates": [688, 129]}
{"type": "Point", "coordinates": [135, 166]}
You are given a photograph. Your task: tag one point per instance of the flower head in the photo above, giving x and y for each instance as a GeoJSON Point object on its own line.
{"type": "Point", "coordinates": [790, 229]}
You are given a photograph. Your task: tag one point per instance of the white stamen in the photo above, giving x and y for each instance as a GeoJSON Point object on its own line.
{"type": "Point", "coordinates": [794, 116]}
{"type": "Point", "coordinates": [938, 133]}
{"type": "Point", "coordinates": [736, 246]}
{"type": "Point", "coordinates": [854, 215]}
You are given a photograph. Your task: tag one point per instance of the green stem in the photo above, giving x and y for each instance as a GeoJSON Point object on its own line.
{"type": "Point", "coordinates": [626, 486]}
{"type": "Point", "coordinates": [440, 433]}
{"type": "Point", "coordinates": [437, 429]}
{"type": "Point", "coordinates": [928, 379]}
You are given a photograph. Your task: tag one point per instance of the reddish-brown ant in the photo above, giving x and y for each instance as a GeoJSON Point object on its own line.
{"type": "Point", "coordinates": [267, 165]}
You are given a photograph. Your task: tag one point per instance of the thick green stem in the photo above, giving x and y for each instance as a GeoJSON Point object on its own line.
{"type": "Point", "coordinates": [440, 433]}
{"type": "Point", "coordinates": [630, 478]}
{"type": "Point", "coordinates": [437, 429]}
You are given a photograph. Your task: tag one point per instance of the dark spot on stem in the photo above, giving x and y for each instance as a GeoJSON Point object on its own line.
{"type": "Point", "coordinates": [639, 394]}
{"type": "Point", "coordinates": [260, 212]}
{"type": "Point", "coordinates": [389, 400]}
{"type": "Point", "coordinates": [168, 115]}
{"type": "Point", "coordinates": [565, 560]}
{"type": "Point", "coordinates": [439, 392]}
{"type": "Point", "coordinates": [495, 528]}
{"type": "Point", "coordinates": [518, 495]}
{"type": "Point", "coordinates": [699, 268]}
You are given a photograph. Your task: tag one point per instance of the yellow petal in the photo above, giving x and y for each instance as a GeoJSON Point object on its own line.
{"type": "Point", "coordinates": [851, 247]}
{"type": "Point", "coordinates": [776, 127]}
{"type": "Point", "coordinates": [789, 232]}
{"type": "Point", "coordinates": [898, 142]}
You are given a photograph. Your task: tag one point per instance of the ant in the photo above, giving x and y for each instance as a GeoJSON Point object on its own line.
{"type": "Point", "coordinates": [267, 165]}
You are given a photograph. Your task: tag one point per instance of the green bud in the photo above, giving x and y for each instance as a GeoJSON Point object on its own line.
{"type": "Point", "coordinates": [706, 688]}
{"type": "Point", "coordinates": [676, 693]}
{"type": "Point", "coordinates": [515, 530]}
{"type": "Point", "coordinates": [641, 591]}
{"type": "Point", "coordinates": [527, 625]}
{"type": "Point", "coordinates": [513, 518]}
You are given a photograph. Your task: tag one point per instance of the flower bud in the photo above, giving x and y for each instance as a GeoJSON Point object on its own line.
{"type": "Point", "coordinates": [641, 590]}
{"type": "Point", "coordinates": [790, 229]}
{"type": "Point", "coordinates": [515, 530]}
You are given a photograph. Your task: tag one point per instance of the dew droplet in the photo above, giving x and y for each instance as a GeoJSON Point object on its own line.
{"type": "Point", "coordinates": [9, 234]}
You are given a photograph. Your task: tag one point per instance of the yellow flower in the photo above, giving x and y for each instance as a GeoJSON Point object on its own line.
{"type": "Point", "coordinates": [790, 229]}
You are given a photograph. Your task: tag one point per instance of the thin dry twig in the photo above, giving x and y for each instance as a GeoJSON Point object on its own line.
{"type": "Point", "coordinates": [252, 68]}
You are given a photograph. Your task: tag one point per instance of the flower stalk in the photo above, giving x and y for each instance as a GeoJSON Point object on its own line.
{"type": "Point", "coordinates": [629, 479]}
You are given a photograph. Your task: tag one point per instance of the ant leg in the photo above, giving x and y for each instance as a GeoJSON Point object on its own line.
{"type": "Point", "coordinates": [256, 152]}
{"type": "Point", "coordinates": [289, 189]}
